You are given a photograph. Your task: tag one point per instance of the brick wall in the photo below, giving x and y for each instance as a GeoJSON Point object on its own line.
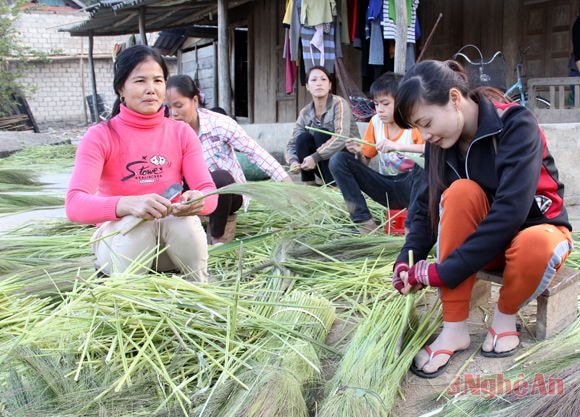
{"type": "Point", "coordinates": [55, 91]}
{"type": "Point", "coordinates": [39, 30]}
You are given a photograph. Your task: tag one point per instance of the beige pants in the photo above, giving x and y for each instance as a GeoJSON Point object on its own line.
{"type": "Point", "coordinates": [182, 240]}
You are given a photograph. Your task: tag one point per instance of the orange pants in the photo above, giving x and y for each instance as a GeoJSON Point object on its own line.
{"type": "Point", "coordinates": [529, 262]}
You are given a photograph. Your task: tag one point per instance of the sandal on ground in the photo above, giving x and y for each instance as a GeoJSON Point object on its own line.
{"type": "Point", "coordinates": [496, 336]}
{"type": "Point", "coordinates": [439, 371]}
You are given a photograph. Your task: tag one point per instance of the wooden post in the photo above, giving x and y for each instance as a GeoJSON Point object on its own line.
{"type": "Point", "coordinates": [142, 26]}
{"type": "Point", "coordinates": [401, 41]}
{"type": "Point", "coordinates": [216, 86]}
{"type": "Point", "coordinates": [511, 37]}
{"type": "Point", "coordinates": [83, 89]}
{"type": "Point", "coordinates": [223, 54]}
{"type": "Point", "coordinates": [93, 79]}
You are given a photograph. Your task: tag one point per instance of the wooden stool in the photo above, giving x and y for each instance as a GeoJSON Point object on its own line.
{"type": "Point", "coordinates": [557, 305]}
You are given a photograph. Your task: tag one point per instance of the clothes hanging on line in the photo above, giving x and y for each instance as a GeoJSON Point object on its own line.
{"type": "Point", "coordinates": [317, 12]}
{"type": "Point", "coordinates": [389, 20]}
{"type": "Point", "coordinates": [318, 46]}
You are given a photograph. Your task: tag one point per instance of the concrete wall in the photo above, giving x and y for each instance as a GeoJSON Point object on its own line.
{"type": "Point", "coordinates": [200, 65]}
{"type": "Point", "coordinates": [563, 141]}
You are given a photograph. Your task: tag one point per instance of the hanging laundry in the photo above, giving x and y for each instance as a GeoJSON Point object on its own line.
{"type": "Point", "coordinates": [376, 48]}
{"type": "Point", "coordinates": [374, 32]}
{"type": "Point", "coordinates": [389, 20]}
{"type": "Point", "coordinates": [375, 10]}
{"type": "Point", "coordinates": [342, 12]}
{"type": "Point", "coordinates": [291, 68]}
{"type": "Point", "coordinates": [352, 19]}
{"type": "Point", "coordinates": [319, 46]}
{"type": "Point", "coordinates": [291, 21]}
{"type": "Point", "coordinates": [317, 12]}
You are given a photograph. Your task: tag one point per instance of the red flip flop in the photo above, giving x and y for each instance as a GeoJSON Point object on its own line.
{"type": "Point", "coordinates": [439, 371]}
{"type": "Point", "coordinates": [496, 336]}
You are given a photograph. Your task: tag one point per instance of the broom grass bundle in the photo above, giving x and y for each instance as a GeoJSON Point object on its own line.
{"type": "Point", "coordinates": [45, 158]}
{"type": "Point", "coordinates": [544, 381]}
{"type": "Point", "coordinates": [350, 271]}
{"type": "Point", "coordinates": [138, 331]}
{"type": "Point", "coordinates": [158, 328]}
{"type": "Point", "coordinates": [345, 248]}
{"type": "Point", "coordinates": [38, 386]}
{"type": "Point", "coordinates": [373, 366]}
{"type": "Point", "coordinates": [277, 382]}
{"type": "Point", "coordinates": [18, 315]}
{"type": "Point", "coordinates": [55, 247]}
{"type": "Point", "coordinates": [18, 177]}
{"type": "Point", "coordinates": [11, 203]}
{"type": "Point", "coordinates": [297, 203]}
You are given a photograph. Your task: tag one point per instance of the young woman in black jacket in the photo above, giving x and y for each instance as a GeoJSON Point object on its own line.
{"type": "Point", "coordinates": [490, 199]}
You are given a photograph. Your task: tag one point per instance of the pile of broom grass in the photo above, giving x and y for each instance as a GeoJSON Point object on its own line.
{"type": "Point", "coordinates": [252, 342]}
{"type": "Point", "coordinates": [42, 159]}
{"type": "Point", "coordinates": [75, 344]}
{"type": "Point", "coordinates": [21, 191]}
{"type": "Point", "coordinates": [20, 188]}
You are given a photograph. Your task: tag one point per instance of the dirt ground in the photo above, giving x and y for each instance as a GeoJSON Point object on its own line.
{"type": "Point", "coordinates": [421, 394]}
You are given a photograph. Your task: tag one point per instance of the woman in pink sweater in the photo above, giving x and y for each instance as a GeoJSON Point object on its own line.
{"type": "Point", "coordinates": [124, 168]}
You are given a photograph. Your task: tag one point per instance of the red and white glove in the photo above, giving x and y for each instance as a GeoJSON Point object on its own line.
{"type": "Point", "coordinates": [396, 278]}
{"type": "Point", "coordinates": [425, 273]}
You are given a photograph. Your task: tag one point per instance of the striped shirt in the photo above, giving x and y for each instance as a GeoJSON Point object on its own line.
{"type": "Point", "coordinates": [390, 27]}
{"type": "Point", "coordinates": [318, 46]}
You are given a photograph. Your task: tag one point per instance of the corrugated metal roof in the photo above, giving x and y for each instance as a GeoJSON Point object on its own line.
{"type": "Point", "coordinates": [121, 17]}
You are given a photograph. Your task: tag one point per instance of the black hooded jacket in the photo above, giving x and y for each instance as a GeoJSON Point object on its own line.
{"type": "Point", "coordinates": [510, 161]}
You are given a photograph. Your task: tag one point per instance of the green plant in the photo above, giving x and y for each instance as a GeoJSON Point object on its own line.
{"type": "Point", "coordinates": [11, 48]}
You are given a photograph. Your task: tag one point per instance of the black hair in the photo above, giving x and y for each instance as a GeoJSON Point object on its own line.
{"type": "Point", "coordinates": [185, 85]}
{"type": "Point", "coordinates": [218, 109]}
{"type": "Point", "coordinates": [321, 68]}
{"type": "Point", "coordinates": [386, 85]}
{"type": "Point", "coordinates": [126, 62]}
{"type": "Point", "coordinates": [429, 82]}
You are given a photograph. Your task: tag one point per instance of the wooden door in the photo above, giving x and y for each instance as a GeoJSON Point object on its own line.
{"type": "Point", "coordinates": [546, 30]}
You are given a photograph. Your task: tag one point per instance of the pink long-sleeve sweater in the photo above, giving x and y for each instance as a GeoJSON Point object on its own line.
{"type": "Point", "coordinates": [134, 154]}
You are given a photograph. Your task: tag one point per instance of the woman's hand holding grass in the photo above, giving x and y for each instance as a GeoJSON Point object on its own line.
{"type": "Point", "coordinates": [352, 146]}
{"type": "Point", "coordinates": [295, 167]}
{"type": "Point", "coordinates": [189, 209]}
{"type": "Point", "coordinates": [308, 164]}
{"type": "Point", "coordinates": [146, 206]}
